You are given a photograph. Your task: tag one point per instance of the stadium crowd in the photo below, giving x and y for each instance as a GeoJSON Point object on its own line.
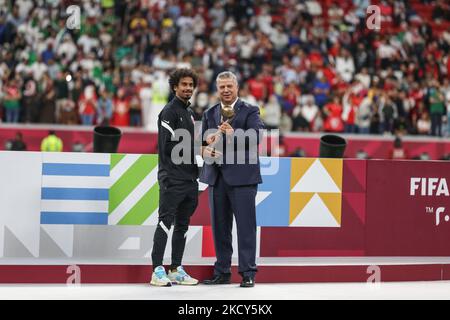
{"type": "Point", "coordinates": [310, 65]}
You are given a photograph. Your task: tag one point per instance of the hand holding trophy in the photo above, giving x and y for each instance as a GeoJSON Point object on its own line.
{"type": "Point", "coordinates": [227, 115]}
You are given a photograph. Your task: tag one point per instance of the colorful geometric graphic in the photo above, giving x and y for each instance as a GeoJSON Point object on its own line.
{"type": "Point", "coordinates": [346, 241]}
{"type": "Point", "coordinates": [54, 206]}
{"type": "Point", "coordinates": [315, 192]}
{"type": "Point", "coordinates": [354, 189]}
{"type": "Point", "coordinates": [272, 199]}
{"type": "Point", "coordinates": [134, 192]}
{"type": "Point", "coordinates": [74, 189]}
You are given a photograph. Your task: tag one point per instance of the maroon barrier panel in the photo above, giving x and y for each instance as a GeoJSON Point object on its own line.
{"type": "Point", "coordinates": [376, 147]}
{"type": "Point", "coordinates": [141, 141]}
{"type": "Point", "coordinates": [389, 208]}
{"type": "Point", "coordinates": [346, 241]}
{"type": "Point", "coordinates": [408, 208]}
{"type": "Point", "coordinates": [131, 142]}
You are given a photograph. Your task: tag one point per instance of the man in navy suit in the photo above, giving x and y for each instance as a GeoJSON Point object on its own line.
{"type": "Point", "coordinates": [231, 170]}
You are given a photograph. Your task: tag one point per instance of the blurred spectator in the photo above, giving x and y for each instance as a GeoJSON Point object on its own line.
{"type": "Point", "coordinates": [30, 101]}
{"type": "Point", "coordinates": [318, 122]}
{"type": "Point", "coordinates": [388, 114]}
{"type": "Point", "coordinates": [321, 90]}
{"type": "Point", "coordinates": [402, 127]}
{"type": "Point", "coordinates": [350, 108]}
{"type": "Point", "coordinates": [135, 112]}
{"type": "Point", "coordinates": [441, 12]}
{"type": "Point", "coordinates": [52, 143]}
{"type": "Point", "coordinates": [298, 153]}
{"type": "Point", "coordinates": [424, 156]}
{"type": "Point", "coordinates": [313, 7]}
{"type": "Point", "coordinates": [363, 114]}
{"type": "Point", "coordinates": [272, 113]}
{"type": "Point", "coordinates": [202, 100]}
{"type": "Point", "coordinates": [48, 101]}
{"type": "Point", "coordinates": [87, 103]}
{"type": "Point", "coordinates": [398, 151]}
{"type": "Point", "coordinates": [62, 92]}
{"type": "Point", "coordinates": [364, 77]}
{"type": "Point", "coordinates": [121, 110]}
{"type": "Point", "coordinates": [361, 154]}
{"type": "Point", "coordinates": [375, 122]}
{"type": "Point", "coordinates": [290, 49]}
{"type": "Point", "coordinates": [104, 108]}
{"type": "Point", "coordinates": [16, 144]}
{"type": "Point", "coordinates": [291, 93]}
{"type": "Point", "coordinates": [299, 123]}
{"type": "Point", "coordinates": [345, 65]}
{"type": "Point", "coordinates": [68, 114]}
{"type": "Point", "coordinates": [159, 98]}
{"type": "Point", "coordinates": [309, 111]}
{"type": "Point", "coordinates": [333, 116]}
{"type": "Point", "coordinates": [217, 15]}
{"type": "Point", "coordinates": [335, 14]}
{"type": "Point", "coordinates": [447, 102]}
{"type": "Point", "coordinates": [424, 124]}
{"type": "Point", "coordinates": [437, 109]}
{"type": "Point", "coordinates": [245, 95]}
{"type": "Point", "coordinates": [445, 126]}
{"type": "Point", "coordinates": [257, 88]}
{"type": "Point", "coordinates": [38, 68]}
{"type": "Point", "coordinates": [286, 123]}
{"type": "Point", "coordinates": [12, 95]}
{"type": "Point", "coordinates": [278, 149]}
{"type": "Point", "coordinates": [78, 147]}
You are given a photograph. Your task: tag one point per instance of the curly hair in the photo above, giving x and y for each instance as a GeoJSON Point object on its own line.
{"type": "Point", "coordinates": [175, 77]}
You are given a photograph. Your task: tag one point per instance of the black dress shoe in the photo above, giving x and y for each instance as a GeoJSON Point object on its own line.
{"type": "Point", "coordinates": [218, 279]}
{"type": "Point", "coordinates": [247, 282]}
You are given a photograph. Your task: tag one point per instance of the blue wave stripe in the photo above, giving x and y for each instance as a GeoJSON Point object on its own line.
{"type": "Point", "coordinates": [69, 169]}
{"type": "Point", "coordinates": [98, 218]}
{"type": "Point", "coordinates": [74, 194]}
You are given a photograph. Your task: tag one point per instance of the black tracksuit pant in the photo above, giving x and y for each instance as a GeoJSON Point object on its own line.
{"type": "Point", "coordinates": [177, 202]}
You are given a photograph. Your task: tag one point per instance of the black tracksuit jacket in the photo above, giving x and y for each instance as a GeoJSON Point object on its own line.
{"type": "Point", "coordinates": [176, 115]}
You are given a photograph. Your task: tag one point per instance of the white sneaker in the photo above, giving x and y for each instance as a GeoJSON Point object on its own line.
{"type": "Point", "coordinates": [159, 278]}
{"type": "Point", "coordinates": [181, 277]}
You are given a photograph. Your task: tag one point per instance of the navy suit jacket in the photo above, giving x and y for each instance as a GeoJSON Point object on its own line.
{"type": "Point", "coordinates": [235, 174]}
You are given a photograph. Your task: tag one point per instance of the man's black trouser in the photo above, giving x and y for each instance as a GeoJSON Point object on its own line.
{"type": "Point", "coordinates": [224, 200]}
{"type": "Point", "coordinates": [177, 202]}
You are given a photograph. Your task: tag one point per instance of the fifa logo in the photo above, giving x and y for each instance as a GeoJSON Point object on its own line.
{"type": "Point", "coordinates": [429, 187]}
{"type": "Point", "coordinates": [438, 213]}
{"type": "Point", "coordinates": [434, 187]}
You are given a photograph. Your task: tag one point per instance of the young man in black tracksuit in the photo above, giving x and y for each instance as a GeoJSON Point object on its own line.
{"type": "Point", "coordinates": [178, 185]}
